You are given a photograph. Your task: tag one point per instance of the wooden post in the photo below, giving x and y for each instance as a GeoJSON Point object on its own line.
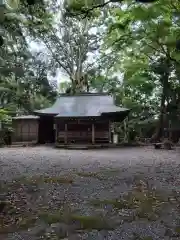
{"type": "Point", "coordinates": [110, 132]}
{"type": "Point", "coordinates": [65, 137]}
{"type": "Point", "coordinates": [21, 131]}
{"type": "Point", "coordinates": [56, 130]}
{"type": "Point", "coordinates": [29, 134]}
{"type": "Point", "coordinates": [37, 131]}
{"type": "Point", "coordinates": [93, 134]}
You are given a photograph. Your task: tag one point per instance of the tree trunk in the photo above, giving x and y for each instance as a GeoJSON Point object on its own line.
{"type": "Point", "coordinates": [165, 84]}
{"type": "Point", "coordinates": [126, 131]}
{"type": "Point", "coordinates": [159, 129]}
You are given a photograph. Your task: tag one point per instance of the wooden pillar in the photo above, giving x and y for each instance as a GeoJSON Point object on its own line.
{"type": "Point", "coordinates": [21, 131]}
{"type": "Point", "coordinates": [37, 130]}
{"type": "Point", "coordinates": [29, 134]}
{"type": "Point", "coordinates": [65, 136]}
{"type": "Point", "coordinates": [56, 130]}
{"type": "Point", "coordinates": [93, 134]}
{"type": "Point", "coordinates": [110, 140]}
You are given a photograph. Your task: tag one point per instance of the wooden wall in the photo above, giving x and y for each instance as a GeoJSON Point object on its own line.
{"type": "Point", "coordinates": [25, 130]}
{"type": "Point", "coordinates": [81, 131]}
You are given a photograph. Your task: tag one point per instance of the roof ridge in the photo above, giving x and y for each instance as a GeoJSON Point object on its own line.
{"type": "Point", "coordinates": [83, 94]}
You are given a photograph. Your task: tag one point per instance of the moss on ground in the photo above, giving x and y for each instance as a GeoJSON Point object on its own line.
{"type": "Point", "coordinates": [13, 224]}
{"type": "Point", "coordinates": [108, 171]}
{"type": "Point", "coordinates": [102, 174]}
{"type": "Point", "coordinates": [36, 180]}
{"type": "Point", "coordinates": [58, 179]}
{"type": "Point", "coordinates": [95, 175]}
{"type": "Point", "coordinates": [82, 222]}
{"type": "Point", "coordinates": [91, 222]}
{"type": "Point", "coordinates": [145, 203]}
{"type": "Point", "coordinates": [116, 203]}
{"type": "Point", "coordinates": [26, 222]}
{"type": "Point", "coordinates": [14, 212]}
{"type": "Point", "coordinates": [51, 218]}
{"type": "Point", "coordinates": [138, 237]}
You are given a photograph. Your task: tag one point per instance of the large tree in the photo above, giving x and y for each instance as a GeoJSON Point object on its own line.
{"type": "Point", "coordinates": [24, 85]}
{"type": "Point", "coordinates": [72, 44]}
{"type": "Point", "coordinates": [141, 43]}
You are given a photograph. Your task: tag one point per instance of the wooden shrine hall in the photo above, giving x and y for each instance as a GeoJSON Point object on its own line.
{"type": "Point", "coordinates": [85, 118]}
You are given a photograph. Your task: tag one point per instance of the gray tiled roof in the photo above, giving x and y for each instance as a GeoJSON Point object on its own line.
{"type": "Point", "coordinates": [83, 105]}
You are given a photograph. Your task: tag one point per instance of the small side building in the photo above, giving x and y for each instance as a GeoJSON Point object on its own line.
{"type": "Point", "coordinates": [25, 129]}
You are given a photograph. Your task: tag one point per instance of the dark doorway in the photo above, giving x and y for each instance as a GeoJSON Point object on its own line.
{"type": "Point", "coordinates": [46, 129]}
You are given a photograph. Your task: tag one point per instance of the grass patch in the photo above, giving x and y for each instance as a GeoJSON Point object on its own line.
{"type": "Point", "coordinates": [12, 224]}
{"type": "Point", "coordinates": [58, 179]}
{"type": "Point", "coordinates": [81, 222]}
{"type": "Point", "coordinates": [177, 230]}
{"type": "Point", "coordinates": [36, 180]}
{"type": "Point", "coordinates": [110, 171]}
{"type": "Point", "coordinates": [51, 218]}
{"type": "Point", "coordinates": [12, 219]}
{"type": "Point", "coordinates": [138, 237]}
{"type": "Point", "coordinates": [91, 222]}
{"type": "Point", "coordinates": [90, 175]}
{"type": "Point", "coordinates": [26, 222]}
{"type": "Point", "coordinates": [54, 236]}
{"type": "Point", "coordinates": [118, 204]}
{"type": "Point", "coordinates": [103, 174]}
{"type": "Point", "coordinates": [144, 203]}
{"type": "Point", "coordinates": [23, 181]}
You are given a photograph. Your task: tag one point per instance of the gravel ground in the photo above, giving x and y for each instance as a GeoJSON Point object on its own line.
{"type": "Point", "coordinates": [90, 183]}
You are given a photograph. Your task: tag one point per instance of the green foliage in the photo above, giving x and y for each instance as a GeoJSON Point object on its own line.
{"type": "Point", "coordinates": [80, 7]}
{"type": "Point", "coordinates": [5, 120]}
{"type": "Point", "coordinates": [141, 41]}
{"type": "Point", "coordinates": [4, 115]}
{"type": "Point", "coordinates": [24, 84]}
{"type": "Point", "coordinates": [133, 48]}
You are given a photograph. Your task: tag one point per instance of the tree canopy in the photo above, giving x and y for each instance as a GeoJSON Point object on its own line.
{"type": "Point", "coordinates": [141, 40]}
{"type": "Point", "coordinates": [24, 74]}
{"type": "Point", "coordinates": [129, 48]}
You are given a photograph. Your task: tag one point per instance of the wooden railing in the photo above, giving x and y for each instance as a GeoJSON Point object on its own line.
{"type": "Point", "coordinates": [83, 134]}
{"type": "Point", "coordinates": [76, 136]}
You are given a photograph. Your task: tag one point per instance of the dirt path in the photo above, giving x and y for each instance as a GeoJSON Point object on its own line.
{"type": "Point", "coordinates": [86, 187]}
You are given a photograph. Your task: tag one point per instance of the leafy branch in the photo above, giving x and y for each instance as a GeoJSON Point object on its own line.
{"type": "Point", "coordinates": [85, 11]}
